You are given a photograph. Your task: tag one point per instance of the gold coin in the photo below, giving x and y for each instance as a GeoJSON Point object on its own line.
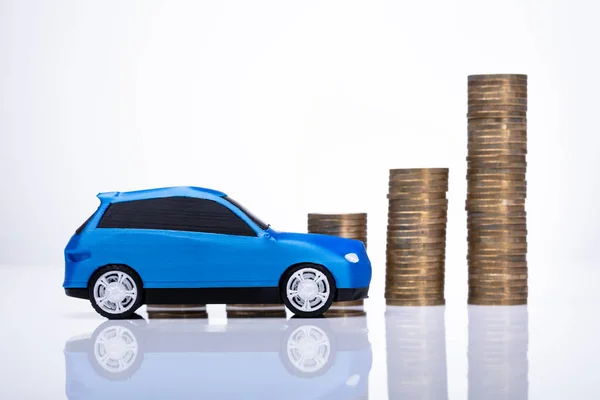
{"type": "Point", "coordinates": [497, 152]}
{"type": "Point", "coordinates": [497, 295]}
{"type": "Point", "coordinates": [495, 100]}
{"type": "Point", "coordinates": [424, 233]}
{"type": "Point", "coordinates": [497, 120]}
{"type": "Point", "coordinates": [415, 296]}
{"type": "Point", "coordinates": [491, 147]}
{"type": "Point", "coordinates": [412, 256]}
{"type": "Point", "coordinates": [338, 230]}
{"type": "Point", "coordinates": [400, 265]}
{"type": "Point", "coordinates": [496, 228]}
{"type": "Point", "coordinates": [343, 217]}
{"type": "Point", "coordinates": [517, 159]}
{"type": "Point", "coordinates": [416, 252]}
{"type": "Point", "coordinates": [497, 131]}
{"type": "Point", "coordinates": [411, 209]}
{"type": "Point", "coordinates": [424, 191]}
{"type": "Point", "coordinates": [412, 186]}
{"type": "Point", "coordinates": [499, 289]}
{"type": "Point", "coordinates": [505, 86]}
{"type": "Point", "coordinates": [495, 114]}
{"type": "Point", "coordinates": [516, 258]}
{"type": "Point", "coordinates": [395, 272]}
{"type": "Point", "coordinates": [501, 201]}
{"type": "Point", "coordinates": [489, 302]}
{"type": "Point", "coordinates": [418, 202]}
{"type": "Point", "coordinates": [415, 260]}
{"type": "Point", "coordinates": [417, 228]}
{"type": "Point", "coordinates": [501, 243]}
{"type": "Point", "coordinates": [417, 196]}
{"type": "Point", "coordinates": [415, 283]}
{"type": "Point", "coordinates": [424, 222]}
{"type": "Point", "coordinates": [497, 270]}
{"type": "Point", "coordinates": [487, 107]}
{"type": "Point", "coordinates": [415, 303]}
{"type": "Point", "coordinates": [394, 239]}
{"type": "Point", "coordinates": [503, 142]}
{"type": "Point", "coordinates": [487, 77]}
{"type": "Point", "coordinates": [479, 254]}
{"type": "Point", "coordinates": [497, 193]}
{"type": "Point", "coordinates": [476, 276]}
{"type": "Point", "coordinates": [418, 171]}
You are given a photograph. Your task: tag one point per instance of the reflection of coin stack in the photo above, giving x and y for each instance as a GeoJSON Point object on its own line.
{"type": "Point", "coordinates": [255, 311]}
{"type": "Point", "coordinates": [173, 311]}
{"type": "Point", "coordinates": [351, 226]}
{"type": "Point", "coordinates": [497, 149]}
{"type": "Point", "coordinates": [416, 353]}
{"type": "Point", "coordinates": [498, 343]}
{"type": "Point", "coordinates": [416, 237]}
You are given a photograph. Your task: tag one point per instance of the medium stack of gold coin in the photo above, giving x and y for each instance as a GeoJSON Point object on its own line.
{"type": "Point", "coordinates": [176, 311]}
{"type": "Point", "coordinates": [416, 237]}
{"type": "Point", "coordinates": [351, 226]}
{"type": "Point", "coordinates": [255, 311]}
{"type": "Point", "coordinates": [496, 189]}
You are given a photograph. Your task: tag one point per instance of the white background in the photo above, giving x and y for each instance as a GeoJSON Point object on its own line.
{"type": "Point", "coordinates": [293, 107]}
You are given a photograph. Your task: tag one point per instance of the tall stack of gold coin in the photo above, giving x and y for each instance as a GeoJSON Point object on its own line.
{"type": "Point", "coordinates": [175, 311]}
{"type": "Point", "coordinates": [351, 226]}
{"type": "Point", "coordinates": [496, 189]}
{"type": "Point", "coordinates": [416, 237]}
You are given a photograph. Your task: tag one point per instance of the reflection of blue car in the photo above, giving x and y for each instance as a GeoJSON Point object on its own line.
{"type": "Point", "coordinates": [245, 359]}
{"type": "Point", "coordinates": [187, 245]}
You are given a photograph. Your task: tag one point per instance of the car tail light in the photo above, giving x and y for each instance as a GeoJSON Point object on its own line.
{"type": "Point", "coordinates": [76, 256]}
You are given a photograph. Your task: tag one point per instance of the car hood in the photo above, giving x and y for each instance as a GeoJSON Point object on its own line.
{"type": "Point", "coordinates": [334, 243]}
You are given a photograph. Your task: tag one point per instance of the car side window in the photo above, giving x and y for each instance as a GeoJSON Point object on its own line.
{"type": "Point", "coordinates": [177, 214]}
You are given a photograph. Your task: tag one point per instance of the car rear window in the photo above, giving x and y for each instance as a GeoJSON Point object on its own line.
{"type": "Point", "coordinates": [80, 229]}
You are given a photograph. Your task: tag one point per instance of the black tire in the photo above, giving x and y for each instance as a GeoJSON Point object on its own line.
{"type": "Point", "coordinates": [291, 306]}
{"type": "Point", "coordinates": [137, 302]}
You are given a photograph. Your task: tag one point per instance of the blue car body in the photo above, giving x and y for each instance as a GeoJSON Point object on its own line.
{"type": "Point", "coordinates": [168, 259]}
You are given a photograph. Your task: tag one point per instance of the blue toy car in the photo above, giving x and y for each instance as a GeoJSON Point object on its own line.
{"type": "Point", "coordinates": [190, 245]}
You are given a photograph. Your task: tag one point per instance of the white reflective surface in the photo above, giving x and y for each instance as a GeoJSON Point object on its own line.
{"type": "Point", "coordinates": [55, 347]}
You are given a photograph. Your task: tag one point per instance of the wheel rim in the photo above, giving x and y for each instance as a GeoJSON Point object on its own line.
{"type": "Point", "coordinates": [308, 348]}
{"type": "Point", "coordinates": [308, 289]}
{"type": "Point", "coordinates": [115, 292]}
{"type": "Point", "coordinates": [116, 349]}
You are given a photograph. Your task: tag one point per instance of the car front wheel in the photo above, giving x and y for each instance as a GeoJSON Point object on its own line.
{"type": "Point", "coordinates": [308, 290]}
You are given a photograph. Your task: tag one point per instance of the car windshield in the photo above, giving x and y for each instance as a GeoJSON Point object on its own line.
{"type": "Point", "coordinates": [253, 217]}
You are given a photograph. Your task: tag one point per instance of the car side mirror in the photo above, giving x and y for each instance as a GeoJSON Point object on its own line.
{"type": "Point", "coordinates": [266, 235]}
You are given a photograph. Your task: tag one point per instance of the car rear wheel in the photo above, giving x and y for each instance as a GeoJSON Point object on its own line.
{"type": "Point", "coordinates": [115, 292]}
{"type": "Point", "coordinates": [308, 290]}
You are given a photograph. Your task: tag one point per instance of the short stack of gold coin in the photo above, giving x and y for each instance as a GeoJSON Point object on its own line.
{"type": "Point", "coordinates": [255, 311]}
{"type": "Point", "coordinates": [176, 311]}
{"type": "Point", "coordinates": [350, 226]}
{"type": "Point", "coordinates": [496, 189]}
{"type": "Point", "coordinates": [416, 237]}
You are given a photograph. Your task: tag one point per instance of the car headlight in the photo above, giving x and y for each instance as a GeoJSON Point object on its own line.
{"type": "Point", "coordinates": [352, 257]}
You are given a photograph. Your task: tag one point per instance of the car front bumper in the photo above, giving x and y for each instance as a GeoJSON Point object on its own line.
{"type": "Point", "coordinates": [352, 294]}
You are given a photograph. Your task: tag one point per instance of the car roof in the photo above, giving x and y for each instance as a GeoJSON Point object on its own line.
{"type": "Point", "coordinates": [187, 191]}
